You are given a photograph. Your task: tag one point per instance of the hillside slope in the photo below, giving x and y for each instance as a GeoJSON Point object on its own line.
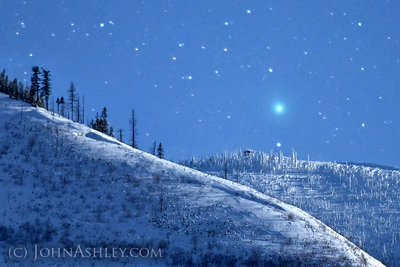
{"type": "Point", "coordinates": [63, 185]}
{"type": "Point", "coordinates": [362, 202]}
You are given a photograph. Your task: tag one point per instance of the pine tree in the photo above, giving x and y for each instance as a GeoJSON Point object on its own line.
{"type": "Point", "coordinates": [35, 87]}
{"type": "Point", "coordinates": [160, 151]}
{"type": "Point", "coordinates": [72, 99]}
{"type": "Point", "coordinates": [111, 132]}
{"type": "Point", "coordinates": [13, 89]}
{"type": "Point", "coordinates": [134, 130]}
{"type": "Point", "coordinates": [103, 121]}
{"type": "Point", "coordinates": [46, 86]}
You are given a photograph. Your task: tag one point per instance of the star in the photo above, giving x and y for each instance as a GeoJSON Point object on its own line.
{"type": "Point", "coordinates": [279, 108]}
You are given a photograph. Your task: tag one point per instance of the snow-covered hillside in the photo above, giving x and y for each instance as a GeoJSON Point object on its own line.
{"type": "Point", "coordinates": [63, 185]}
{"type": "Point", "coordinates": [362, 202]}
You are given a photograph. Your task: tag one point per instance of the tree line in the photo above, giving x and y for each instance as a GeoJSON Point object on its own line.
{"type": "Point", "coordinates": [38, 94]}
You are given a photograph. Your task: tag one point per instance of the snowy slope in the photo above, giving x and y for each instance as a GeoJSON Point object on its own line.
{"type": "Point", "coordinates": [63, 185]}
{"type": "Point", "coordinates": [362, 202]}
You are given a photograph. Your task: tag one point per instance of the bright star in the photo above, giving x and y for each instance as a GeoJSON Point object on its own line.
{"type": "Point", "coordinates": [278, 144]}
{"type": "Point", "coordinates": [279, 108]}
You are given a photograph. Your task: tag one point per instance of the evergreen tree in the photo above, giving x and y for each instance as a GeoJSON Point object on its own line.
{"type": "Point", "coordinates": [100, 123]}
{"type": "Point", "coordinates": [46, 86]}
{"type": "Point", "coordinates": [35, 87]}
{"type": "Point", "coordinates": [13, 89]}
{"type": "Point", "coordinates": [160, 151]}
{"type": "Point", "coordinates": [111, 132]}
{"type": "Point", "coordinates": [134, 130]}
{"type": "Point", "coordinates": [72, 99]}
{"type": "Point", "coordinates": [103, 121]}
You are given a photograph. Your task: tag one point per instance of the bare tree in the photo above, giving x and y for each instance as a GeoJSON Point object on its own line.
{"type": "Point", "coordinates": [72, 99]}
{"type": "Point", "coordinates": [134, 130]}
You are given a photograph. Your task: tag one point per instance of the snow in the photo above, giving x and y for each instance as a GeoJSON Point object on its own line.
{"type": "Point", "coordinates": [63, 184]}
{"type": "Point", "coordinates": [360, 201]}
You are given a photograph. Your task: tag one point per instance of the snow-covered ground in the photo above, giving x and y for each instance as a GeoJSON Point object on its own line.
{"type": "Point", "coordinates": [360, 201]}
{"type": "Point", "coordinates": [64, 185]}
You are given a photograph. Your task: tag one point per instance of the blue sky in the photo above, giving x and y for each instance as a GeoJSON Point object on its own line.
{"type": "Point", "coordinates": [207, 76]}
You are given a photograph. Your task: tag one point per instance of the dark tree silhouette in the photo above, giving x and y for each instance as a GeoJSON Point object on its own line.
{"type": "Point", "coordinates": [160, 151]}
{"type": "Point", "coordinates": [134, 129]}
{"type": "Point", "coordinates": [72, 99]}
{"type": "Point", "coordinates": [100, 123]}
{"type": "Point", "coordinates": [46, 86]}
{"type": "Point", "coordinates": [35, 86]}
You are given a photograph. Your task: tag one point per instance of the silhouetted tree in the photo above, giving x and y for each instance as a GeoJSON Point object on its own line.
{"type": "Point", "coordinates": [13, 89]}
{"type": "Point", "coordinates": [103, 121]}
{"type": "Point", "coordinates": [72, 99]}
{"type": "Point", "coordinates": [46, 86]}
{"type": "Point", "coordinates": [134, 130]}
{"type": "Point", "coordinates": [160, 151]}
{"type": "Point", "coordinates": [112, 132]}
{"type": "Point", "coordinates": [35, 87]}
{"type": "Point", "coordinates": [100, 123]}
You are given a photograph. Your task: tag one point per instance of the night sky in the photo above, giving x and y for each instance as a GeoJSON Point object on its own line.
{"type": "Point", "coordinates": [204, 77]}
